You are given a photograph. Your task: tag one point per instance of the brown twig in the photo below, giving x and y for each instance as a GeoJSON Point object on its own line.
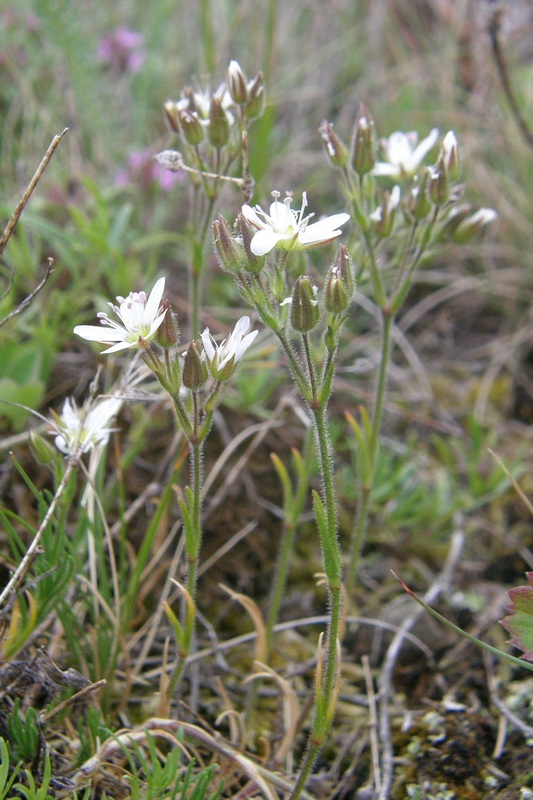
{"type": "Point", "coordinates": [503, 72]}
{"type": "Point", "coordinates": [27, 300]}
{"type": "Point", "coordinates": [11, 225]}
{"type": "Point", "coordinates": [94, 687]}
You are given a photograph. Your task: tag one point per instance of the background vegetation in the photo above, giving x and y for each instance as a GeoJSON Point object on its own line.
{"type": "Point", "coordinates": [460, 383]}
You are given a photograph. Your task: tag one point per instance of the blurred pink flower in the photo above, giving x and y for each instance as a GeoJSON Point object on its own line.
{"type": "Point", "coordinates": [122, 50]}
{"type": "Point", "coordinates": [143, 171]}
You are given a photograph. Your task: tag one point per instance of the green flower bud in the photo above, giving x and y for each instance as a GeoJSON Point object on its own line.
{"type": "Point", "coordinates": [168, 333]}
{"type": "Point", "coordinates": [341, 283]}
{"type": "Point", "coordinates": [364, 143]}
{"type": "Point", "coordinates": [237, 84]}
{"type": "Point", "coordinates": [337, 300]}
{"type": "Point", "coordinates": [195, 370]}
{"type": "Point", "coordinates": [304, 306]}
{"type": "Point", "coordinates": [253, 263]}
{"type": "Point", "coordinates": [191, 127]}
{"type": "Point", "coordinates": [231, 255]}
{"type": "Point", "coordinates": [469, 228]}
{"type": "Point", "coordinates": [336, 150]}
{"type": "Point", "coordinates": [42, 450]}
{"type": "Point", "coordinates": [457, 214]}
{"type": "Point", "coordinates": [256, 102]}
{"type": "Point", "coordinates": [218, 129]}
{"type": "Point", "coordinates": [439, 183]}
{"type": "Point", "coordinates": [419, 204]}
{"type": "Point", "coordinates": [343, 263]}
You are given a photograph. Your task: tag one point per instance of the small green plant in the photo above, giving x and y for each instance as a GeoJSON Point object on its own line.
{"type": "Point", "coordinates": [8, 773]}
{"type": "Point", "coordinates": [157, 777]}
{"type": "Point", "coordinates": [24, 733]}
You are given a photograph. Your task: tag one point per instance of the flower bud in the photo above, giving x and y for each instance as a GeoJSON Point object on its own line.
{"type": "Point", "coordinates": [171, 113]}
{"type": "Point", "coordinates": [191, 127]}
{"type": "Point", "coordinates": [218, 127]}
{"type": "Point", "coordinates": [168, 333]}
{"type": "Point", "coordinates": [457, 214]}
{"type": "Point", "coordinates": [237, 84]}
{"type": "Point", "coordinates": [336, 150]}
{"type": "Point", "coordinates": [231, 255]}
{"type": "Point", "coordinates": [337, 299]}
{"type": "Point", "coordinates": [383, 217]}
{"type": "Point", "coordinates": [256, 97]}
{"type": "Point", "coordinates": [341, 274]}
{"type": "Point", "coordinates": [364, 143]}
{"type": "Point", "coordinates": [471, 226]}
{"type": "Point", "coordinates": [450, 154]}
{"type": "Point", "coordinates": [439, 184]}
{"type": "Point", "coordinates": [195, 371]}
{"type": "Point", "coordinates": [253, 263]}
{"type": "Point", "coordinates": [419, 204]}
{"type": "Point", "coordinates": [304, 306]}
{"type": "Point", "coordinates": [42, 450]}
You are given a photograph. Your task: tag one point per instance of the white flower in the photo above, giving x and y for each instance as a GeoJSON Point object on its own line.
{"type": "Point", "coordinates": [223, 358]}
{"type": "Point", "coordinates": [139, 321]}
{"type": "Point", "coordinates": [402, 154]}
{"type": "Point", "coordinates": [288, 229]}
{"type": "Point", "coordinates": [389, 204]}
{"type": "Point", "coordinates": [79, 430]}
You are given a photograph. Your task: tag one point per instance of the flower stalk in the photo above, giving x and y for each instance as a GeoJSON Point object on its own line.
{"type": "Point", "coordinates": [147, 324]}
{"type": "Point", "coordinates": [286, 230]}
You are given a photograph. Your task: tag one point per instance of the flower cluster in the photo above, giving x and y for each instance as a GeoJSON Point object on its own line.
{"type": "Point", "coordinates": [145, 321]}
{"type": "Point", "coordinates": [200, 113]}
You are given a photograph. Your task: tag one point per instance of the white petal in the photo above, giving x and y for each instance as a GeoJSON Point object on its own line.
{"type": "Point", "coordinates": [245, 344]}
{"type": "Point", "coordinates": [241, 327]}
{"type": "Point", "coordinates": [449, 142]}
{"type": "Point", "coordinates": [154, 301]}
{"type": "Point", "coordinates": [399, 147]}
{"type": "Point", "coordinates": [384, 168]}
{"type": "Point", "coordinates": [395, 197]}
{"type": "Point", "coordinates": [282, 217]}
{"type": "Point", "coordinates": [253, 217]}
{"type": "Point", "coordinates": [103, 333]}
{"type": "Point", "coordinates": [324, 230]}
{"type": "Point", "coordinates": [423, 148]}
{"type": "Point", "coordinates": [119, 346]}
{"type": "Point", "coordinates": [208, 345]}
{"type": "Point", "coordinates": [264, 241]}
{"type": "Point", "coordinates": [155, 325]}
